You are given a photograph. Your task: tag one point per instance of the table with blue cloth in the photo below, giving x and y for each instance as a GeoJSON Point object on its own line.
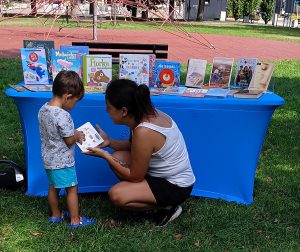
{"type": "Point", "coordinates": [224, 137]}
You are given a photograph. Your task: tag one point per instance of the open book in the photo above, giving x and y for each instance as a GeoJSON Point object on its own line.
{"type": "Point", "coordinates": [92, 137]}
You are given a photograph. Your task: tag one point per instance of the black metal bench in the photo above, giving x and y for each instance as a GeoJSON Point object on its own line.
{"type": "Point", "coordinates": [115, 49]}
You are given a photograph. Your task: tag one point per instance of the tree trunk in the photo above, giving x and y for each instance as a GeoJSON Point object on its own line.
{"type": "Point", "coordinates": [200, 13]}
{"type": "Point", "coordinates": [171, 9]}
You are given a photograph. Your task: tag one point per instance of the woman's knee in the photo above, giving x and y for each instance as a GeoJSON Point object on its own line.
{"type": "Point", "coordinates": [116, 196]}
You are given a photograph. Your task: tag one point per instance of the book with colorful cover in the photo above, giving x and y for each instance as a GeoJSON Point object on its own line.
{"type": "Point", "coordinates": [173, 90]}
{"type": "Point", "coordinates": [47, 45]}
{"type": "Point", "coordinates": [135, 67]}
{"type": "Point", "coordinates": [34, 66]}
{"type": "Point", "coordinates": [65, 60]}
{"type": "Point", "coordinates": [195, 92]}
{"type": "Point", "coordinates": [262, 76]}
{"type": "Point", "coordinates": [39, 88]}
{"type": "Point", "coordinates": [83, 50]}
{"type": "Point", "coordinates": [92, 137]}
{"type": "Point", "coordinates": [166, 73]}
{"type": "Point", "coordinates": [248, 94]}
{"type": "Point", "coordinates": [244, 72]}
{"type": "Point", "coordinates": [19, 88]}
{"type": "Point", "coordinates": [97, 70]}
{"type": "Point", "coordinates": [195, 73]}
{"type": "Point", "coordinates": [221, 72]}
{"type": "Point", "coordinates": [152, 59]}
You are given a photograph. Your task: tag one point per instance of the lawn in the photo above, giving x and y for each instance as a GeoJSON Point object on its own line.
{"type": "Point", "coordinates": [271, 223]}
{"type": "Point", "coordinates": [212, 27]}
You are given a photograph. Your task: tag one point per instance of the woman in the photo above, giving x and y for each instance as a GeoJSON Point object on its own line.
{"type": "Point", "coordinates": [153, 165]}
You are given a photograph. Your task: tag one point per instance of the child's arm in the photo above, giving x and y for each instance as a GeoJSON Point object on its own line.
{"type": "Point", "coordinates": [78, 137]}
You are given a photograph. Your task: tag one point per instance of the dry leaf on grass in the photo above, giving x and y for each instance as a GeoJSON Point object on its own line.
{"type": "Point", "coordinates": [36, 234]}
{"type": "Point", "coordinates": [178, 236]}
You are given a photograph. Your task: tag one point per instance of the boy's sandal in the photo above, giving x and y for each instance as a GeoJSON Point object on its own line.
{"type": "Point", "coordinates": [83, 223]}
{"type": "Point", "coordinates": [65, 215]}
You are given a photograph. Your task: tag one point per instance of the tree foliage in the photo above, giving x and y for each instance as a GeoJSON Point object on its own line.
{"type": "Point", "coordinates": [266, 10]}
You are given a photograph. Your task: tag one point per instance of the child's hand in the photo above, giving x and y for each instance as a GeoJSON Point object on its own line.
{"type": "Point", "coordinates": [79, 136]}
{"type": "Point", "coordinates": [104, 136]}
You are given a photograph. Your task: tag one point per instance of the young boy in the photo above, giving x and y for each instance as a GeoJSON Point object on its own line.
{"type": "Point", "coordinates": [58, 137]}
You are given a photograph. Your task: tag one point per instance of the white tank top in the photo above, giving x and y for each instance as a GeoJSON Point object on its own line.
{"type": "Point", "coordinates": [172, 160]}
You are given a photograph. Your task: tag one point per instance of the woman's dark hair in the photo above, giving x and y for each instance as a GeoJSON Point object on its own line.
{"type": "Point", "coordinates": [68, 82]}
{"type": "Point", "coordinates": [136, 98]}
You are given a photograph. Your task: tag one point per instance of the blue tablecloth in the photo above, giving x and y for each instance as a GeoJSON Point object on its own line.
{"type": "Point", "coordinates": [224, 137]}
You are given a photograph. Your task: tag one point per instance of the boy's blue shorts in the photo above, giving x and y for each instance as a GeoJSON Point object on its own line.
{"type": "Point", "coordinates": [62, 178]}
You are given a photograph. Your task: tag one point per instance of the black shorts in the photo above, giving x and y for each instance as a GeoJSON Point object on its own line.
{"type": "Point", "coordinates": [166, 193]}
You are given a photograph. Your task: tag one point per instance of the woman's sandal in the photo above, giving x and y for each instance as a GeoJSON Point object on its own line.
{"type": "Point", "coordinates": [65, 215]}
{"type": "Point", "coordinates": [83, 223]}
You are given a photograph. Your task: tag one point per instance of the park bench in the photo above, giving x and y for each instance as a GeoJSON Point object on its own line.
{"type": "Point", "coordinates": [115, 49]}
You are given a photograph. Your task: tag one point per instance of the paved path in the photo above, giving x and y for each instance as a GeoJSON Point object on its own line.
{"type": "Point", "coordinates": [180, 49]}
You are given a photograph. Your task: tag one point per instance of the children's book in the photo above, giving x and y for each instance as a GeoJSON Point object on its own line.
{"type": "Point", "coordinates": [195, 92]}
{"type": "Point", "coordinates": [166, 73]}
{"type": "Point", "coordinates": [83, 50]}
{"type": "Point", "coordinates": [221, 72]}
{"type": "Point", "coordinates": [34, 66]}
{"type": "Point", "coordinates": [18, 88]}
{"type": "Point", "coordinates": [65, 60]}
{"type": "Point", "coordinates": [92, 137]}
{"type": "Point", "coordinates": [217, 92]}
{"type": "Point", "coordinates": [39, 88]}
{"type": "Point", "coordinates": [156, 91]}
{"type": "Point", "coordinates": [262, 76]}
{"type": "Point", "coordinates": [195, 73]}
{"type": "Point", "coordinates": [152, 59]}
{"type": "Point", "coordinates": [135, 67]}
{"type": "Point", "coordinates": [94, 89]}
{"type": "Point", "coordinates": [97, 70]}
{"type": "Point", "coordinates": [47, 45]}
{"type": "Point", "coordinates": [244, 72]}
{"type": "Point", "coordinates": [250, 94]}
{"type": "Point", "coordinates": [174, 90]}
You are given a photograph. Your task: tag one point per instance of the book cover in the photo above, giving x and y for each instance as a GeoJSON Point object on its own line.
{"type": "Point", "coordinates": [47, 45]}
{"type": "Point", "coordinates": [135, 67]}
{"type": "Point", "coordinates": [262, 76]}
{"type": "Point", "coordinates": [195, 73]}
{"type": "Point", "coordinates": [94, 89]}
{"type": "Point", "coordinates": [152, 59]}
{"type": "Point", "coordinates": [221, 72]}
{"type": "Point", "coordinates": [65, 60]}
{"type": "Point", "coordinates": [248, 94]}
{"type": "Point", "coordinates": [92, 137]}
{"type": "Point", "coordinates": [195, 92]}
{"type": "Point", "coordinates": [174, 90]}
{"type": "Point", "coordinates": [83, 50]}
{"type": "Point", "coordinates": [18, 88]}
{"type": "Point", "coordinates": [156, 90]}
{"type": "Point", "coordinates": [244, 72]}
{"type": "Point", "coordinates": [217, 92]}
{"type": "Point", "coordinates": [166, 73]}
{"type": "Point", "coordinates": [34, 66]}
{"type": "Point", "coordinates": [97, 70]}
{"type": "Point", "coordinates": [39, 88]}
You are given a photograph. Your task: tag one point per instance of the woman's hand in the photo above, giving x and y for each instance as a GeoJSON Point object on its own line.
{"type": "Point", "coordinates": [104, 136]}
{"type": "Point", "coordinates": [97, 152]}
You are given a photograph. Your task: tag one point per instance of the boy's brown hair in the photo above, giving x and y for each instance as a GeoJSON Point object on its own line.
{"type": "Point", "coordinates": [68, 82]}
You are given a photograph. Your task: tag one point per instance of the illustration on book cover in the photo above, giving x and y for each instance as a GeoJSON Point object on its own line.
{"type": "Point", "coordinates": [221, 72]}
{"type": "Point", "coordinates": [34, 66]}
{"type": "Point", "coordinates": [166, 73]}
{"type": "Point", "coordinates": [244, 72]}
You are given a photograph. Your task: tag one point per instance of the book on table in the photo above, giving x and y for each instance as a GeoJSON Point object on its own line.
{"type": "Point", "coordinates": [173, 90]}
{"type": "Point", "coordinates": [221, 72]}
{"type": "Point", "coordinates": [259, 82]}
{"type": "Point", "coordinates": [195, 73]}
{"type": "Point", "coordinates": [217, 92]}
{"type": "Point", "coordinates": [92, 137]}
{"type": "Point", "coordinates": [166, 73]}
{"type": "Point", "coordinates": [34, 66]}
{"type": "Point", "coordinates": [244, 72]}
{"type": "Point", "coordinates": [38, 88]}
{"type": "Point", "coordinates": [47, 45]}
{"type": "Point", "coordinates": [66, 60]}
{"type": "Point", "coordinates": [195, 92]}
{"type": "Point", "coordinates": [135, 67]}
{"type": "Point", "coordinates": [97, 70]}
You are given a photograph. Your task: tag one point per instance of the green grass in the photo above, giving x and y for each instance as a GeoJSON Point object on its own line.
{"type": "Point", "coordinates": [213, 27]}
{"type": "Point", "coordinates": [271, 223]}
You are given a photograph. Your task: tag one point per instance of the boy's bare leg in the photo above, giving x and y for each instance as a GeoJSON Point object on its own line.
{"type": "Point", "coordinates": [72, 202]}
{"type": "Point", "coordinates": [53, 202]}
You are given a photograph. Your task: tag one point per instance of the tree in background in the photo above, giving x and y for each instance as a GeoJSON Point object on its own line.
{"type": "Point", "coordinates": [266, 10]}
{"type": "Point", "coordinates": [235, 8]}
{"type": "Point", "coordinates": [200, 13]}
{"type": "Point", "coordinates": [250, 7]}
